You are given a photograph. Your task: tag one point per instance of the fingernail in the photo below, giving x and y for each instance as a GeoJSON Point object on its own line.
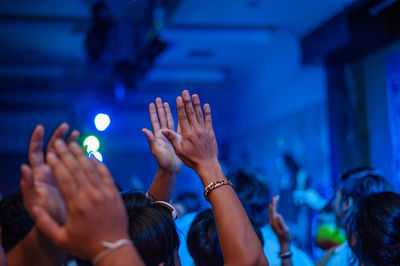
{"type": "Point", "coordinates": [179, 99]}
{"type": "Point", "coordinates": [185, 93]}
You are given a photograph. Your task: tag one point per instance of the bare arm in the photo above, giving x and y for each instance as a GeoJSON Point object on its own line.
{"type": "Point", "coordinates": [198, 150]}
{"type": "Point", "coordinates": [169, 164]}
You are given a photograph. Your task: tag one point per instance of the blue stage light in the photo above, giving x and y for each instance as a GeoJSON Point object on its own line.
{"type": "Point", "coordinates": [102, 121]}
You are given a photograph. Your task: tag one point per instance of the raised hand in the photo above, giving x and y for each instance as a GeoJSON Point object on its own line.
{"type": "Point", "coordinates": [37, 183]}
{"type": "Point", "coordinates": [198, 147]}
{"type": "Point", "coordinates": [279, 226]}
{"type": "Point", "coordinates": [162, 150]}
{"type": "Point", "coordinates": [95, 211]}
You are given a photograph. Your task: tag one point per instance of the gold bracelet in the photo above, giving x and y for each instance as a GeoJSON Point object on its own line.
{"type": "Point", "coordinates": [215, 185]}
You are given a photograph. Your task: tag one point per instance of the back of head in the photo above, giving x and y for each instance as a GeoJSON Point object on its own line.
{"type": "Point", "coordinates": [15, 221]}
{"type": "Point", "coordinates": [152, 229]}
{"type": "Point", "coordinates": [254, 196]}
{"type": "Point", "coordinates": [354, 185]}
{"type": "Point", "coordinates": [363, 181]}
{"type": "Point", "coordinates": [203, 243]}
{"type": "Point", "coordinates": [374, 229]}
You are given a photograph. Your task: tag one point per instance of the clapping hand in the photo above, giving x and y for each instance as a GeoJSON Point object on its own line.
{"type": "Point", "coordinates": [161, 148]}
{"type": "Point", "coordinates": [197, 147]}
{"type": "Point", "coordinates": [94, 208]}
{"type": "Point", "coordinates": [37, 183]}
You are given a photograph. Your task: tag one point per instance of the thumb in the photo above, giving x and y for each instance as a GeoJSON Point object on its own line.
{"type": "Point", "coordinates": [149, 136]}
{"type": "Point", "coordinates": [26, 182]}
{"type": "Point", "coordinates": [48, 225]}
{"type": "Point", "coordinates": [173, 138]}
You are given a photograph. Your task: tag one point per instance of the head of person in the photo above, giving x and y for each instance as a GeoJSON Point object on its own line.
{"type": "Point", "coordinates": [152, 229]}
{"type": "Point", "coordinates": [353, 185]}
{"type": "Point", "coordinates": [254, 196]}
{"type": "Point", "coordinates": [15, 221]}
{"type": "Point", "coordinates": [373, 229]}
{"type": "Point", "coordinates": [203, 243]}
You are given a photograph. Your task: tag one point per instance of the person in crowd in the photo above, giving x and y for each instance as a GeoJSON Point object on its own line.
{"type": "Point", "coordinates": [374, 229]}
{"type": "Point", "coordinates": [353, 185]}
{"type": "Point", "coordinates": [152, 229]}
{"type": "Point", "coordinates": [202, 240]}
{"type": "Point", "coordinates": [197, 148]}
{"type": "Point", "coordinates": [255, 196]}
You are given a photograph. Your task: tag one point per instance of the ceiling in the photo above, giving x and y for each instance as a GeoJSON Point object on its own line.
{"type": "Point", "coordinates": [214, 48]}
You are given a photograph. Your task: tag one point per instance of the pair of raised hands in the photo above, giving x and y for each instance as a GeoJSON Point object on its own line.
{"type": "Point", "coordinates": [193, 142]}
{"type": "Point", "coordinates": [72, 198]}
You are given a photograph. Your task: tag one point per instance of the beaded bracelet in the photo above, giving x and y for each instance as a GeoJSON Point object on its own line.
{"type": "Point", "coordinates": [215, 185]}
{"type": "Point", "coordinates": [285, 255]}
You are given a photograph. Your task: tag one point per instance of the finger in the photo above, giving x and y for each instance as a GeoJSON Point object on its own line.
{"type": "Point", "coordinates": [162, 117]}
{"type": "Point", "coordinates": [178, 130]}
{"type": "Point", "coordinates": [71, 163]}
{"type": "Point", "coordinates": [182, 118]}
{"type": "Point", "coordinates": [170, 119]}
{"type": "Point", "coordinates": [173, 138]}
{"type": "Point", "coordinates": [197, 109]}
{"type": "Point", "coordinates": [105, 174]}
{"type": "Point", "coordinates": [35, 150]}
{"type": "Point", "coordinates": [189, 109]}
{"type": "Point", "coordinates": [65, 181]}
{"type": "Point", "coordinates": [48, 225]}
{"type": "Point", "coordinates": [149, 136]}
{"type": "Point", "coordinates": [73, 136]}
{"type": "Point", "coordinates": [26, 182]}
{"type": "Point", "coordinates": [207, 115]}
{"type": "Point", "coordinates": [59, 133]}
{"type": "Point", "coordinates": [153, 118]}
{"type": "Point", "coordinates": [87, 166]}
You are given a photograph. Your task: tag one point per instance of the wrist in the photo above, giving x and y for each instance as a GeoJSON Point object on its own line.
{"type": "Point", "coordinates": [98, 247]}
{"type": "Point", "coordinates": [209, 171]}
{"type": "Point", "coordinates": [168, 172]}
{"type": "Point", "coordinates": [285, 246]}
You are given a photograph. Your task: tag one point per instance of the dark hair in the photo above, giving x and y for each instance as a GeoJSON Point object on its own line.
{"type": "Point", "coordinates": [290, 163]}
{"type": "Point", "coordinates": [253, 194]}
{"type": "Point", "coordinates": [203, 243]}
{"type": "Point", "coordinates": [375, 226]}
{"type": "Point", "coordinates": [15, 221]}
{"type": "Point", "coordinates": [152, 229]}
{"type": "Point", "coordinates": [362, 181]}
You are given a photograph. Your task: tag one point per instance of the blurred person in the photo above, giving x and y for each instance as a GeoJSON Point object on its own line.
{"type": "Point", "coordinates": [294, 178]}
{"type": "Point", "coordinates": [255, 196]}
{"type": "Point", "coordinates": [374, 229]}
{"type": "Point", "coordinates": [197, 148]}
{"type": "Point", "coordinates": [202, 240]}
{"type": "Point", "coordinates": [353, 185]}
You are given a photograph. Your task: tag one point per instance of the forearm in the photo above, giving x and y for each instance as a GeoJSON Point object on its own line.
{"type": "Point", "coordinates": [124, 256]}
{"type": "Point", "coordinates": [239, 242]}
{"type": "Point", "coordinates": [36, 249]}
{"type": "Point", "coordinates": [163, 185]}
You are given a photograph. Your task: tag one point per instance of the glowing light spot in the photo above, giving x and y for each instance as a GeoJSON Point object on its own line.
{"type": "Point", "coordinates": [91, 143]}
{"type": "Point", "coordinates": [102, 121]}
{"type": "Point", "coordinates": [96, 155]}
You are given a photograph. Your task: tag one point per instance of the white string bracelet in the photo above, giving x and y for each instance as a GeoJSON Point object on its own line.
{"type": "Point", "coordinates": [110, 246]}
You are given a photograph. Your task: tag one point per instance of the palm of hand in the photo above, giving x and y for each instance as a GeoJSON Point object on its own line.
{"type": "Point", "coordinates": [164, 153]}
{"type": "Point", "coordinates": [45, 193]}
